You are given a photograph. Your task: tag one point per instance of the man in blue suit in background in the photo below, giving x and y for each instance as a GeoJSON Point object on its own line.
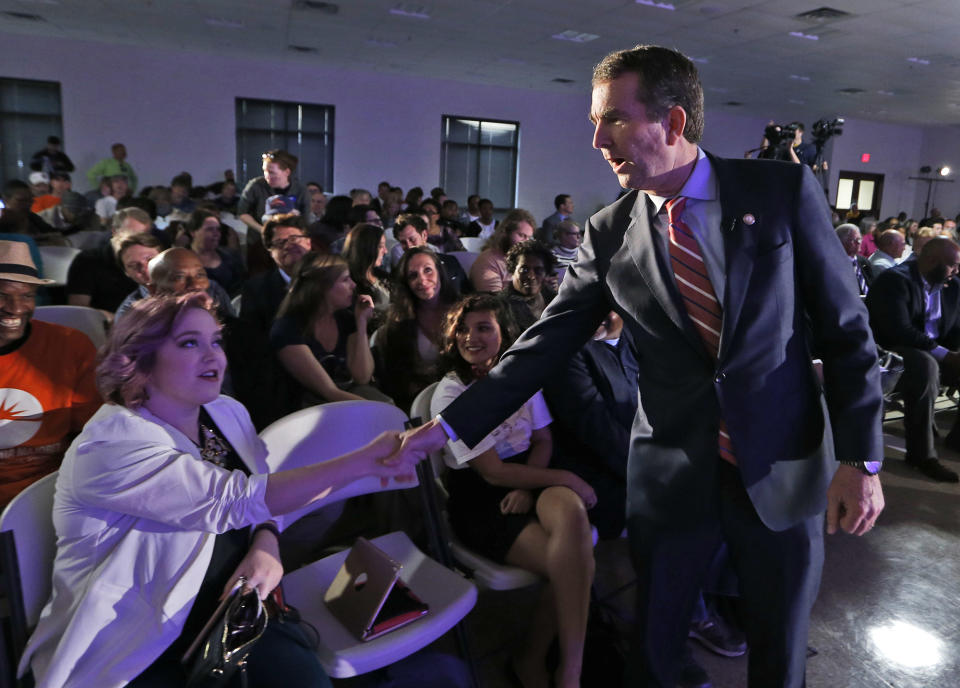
{"type": "Point", "coordinates": [730, 279]}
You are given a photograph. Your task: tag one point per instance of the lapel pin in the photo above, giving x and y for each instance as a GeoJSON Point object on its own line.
{"type": "Point", "coordinates": [749, 219]}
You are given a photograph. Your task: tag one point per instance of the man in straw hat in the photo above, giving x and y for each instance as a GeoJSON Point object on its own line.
{"type": "Point", "coordinates": [47, 389]}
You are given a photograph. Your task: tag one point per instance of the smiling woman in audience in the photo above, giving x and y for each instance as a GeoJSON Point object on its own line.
{"type": "Point", "coordinates": [320, 334]}
{"type": "Point", "coordinates": [162, 504]}
{"type": "Point", "coordinates": [507, 504]}
{"type": "Point", "coordinates": [408, 345]}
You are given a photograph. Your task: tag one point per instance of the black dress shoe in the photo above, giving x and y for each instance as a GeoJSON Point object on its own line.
{"type": "Point", "coordinates": [935, 470]}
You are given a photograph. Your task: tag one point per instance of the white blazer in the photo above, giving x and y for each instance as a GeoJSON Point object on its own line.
{"type": "Point", "coordinates": [136, 513]}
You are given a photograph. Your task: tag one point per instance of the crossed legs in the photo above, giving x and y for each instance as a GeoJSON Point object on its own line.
{"type": "Point", "coordinates": [560, 548]}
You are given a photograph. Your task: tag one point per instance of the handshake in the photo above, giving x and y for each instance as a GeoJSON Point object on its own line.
{"type": "Point", "coordinates": [396, 454]}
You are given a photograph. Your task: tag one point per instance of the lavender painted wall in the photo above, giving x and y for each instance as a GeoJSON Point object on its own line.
{"type": "Point", "coordinates": [175, 111]}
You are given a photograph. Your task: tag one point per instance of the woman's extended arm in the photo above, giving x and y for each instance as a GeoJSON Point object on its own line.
{"type": "Point", "coordinates": [297, 487]}
{"type": "Point", "coordinates": [299, 361]}
{"type": "Point", "coordinates": [541, 447]}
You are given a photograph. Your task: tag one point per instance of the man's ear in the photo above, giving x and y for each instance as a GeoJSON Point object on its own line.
{"type": "Point", "coordinates": [676, 123]}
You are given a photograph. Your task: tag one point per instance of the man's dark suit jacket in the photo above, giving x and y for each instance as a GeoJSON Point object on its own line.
{"type": "Point", "coordinates": [866, 268]}
{"type": "Point", "coordinates": [593, 401]}
{"type": "Point", "coordinates": [898, 305]}
{"type": "Point", "coordinates": [261, 299]}
{"type": "Point", "coordinates": [784, 267]}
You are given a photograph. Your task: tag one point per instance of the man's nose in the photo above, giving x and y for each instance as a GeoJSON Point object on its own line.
{"type": "Point", "coordinates": [599, 135]}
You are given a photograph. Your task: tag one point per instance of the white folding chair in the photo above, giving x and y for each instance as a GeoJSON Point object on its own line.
{"type": "Point", "coordinates": [88, 320]}
{"type": "Point", "coordinates": [487, 573]}
{"type": "Point", "coordinates": [473, 244]}
{"type": "Point", "coordinates": [56, 262]}
{"type": "Point", "coordinates": [28, 546]}
{"type": "Point", "coordinates": [466, 259]}
{"type": "Point", "coordinates": [321, 433]}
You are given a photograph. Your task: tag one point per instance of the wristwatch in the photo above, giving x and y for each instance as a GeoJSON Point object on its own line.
{"type": "Point", "coordinates": [865, 467]}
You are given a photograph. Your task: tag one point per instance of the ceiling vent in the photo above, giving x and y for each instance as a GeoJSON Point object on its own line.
{"type": "Point", "coordinates": [823, 14]}
{"type": "Point", "coordinates": [851, 91]}
{"type": "Point", "coordinates": [733, 103]}
{"type": "Point", "coordinates": [25, 16]}
{"type": "Point", "coordinates": [561, 80]}
{"type": "Point", "coordinates": [302, 49]}
{"type": "Point", "coordinates": [317, 6]}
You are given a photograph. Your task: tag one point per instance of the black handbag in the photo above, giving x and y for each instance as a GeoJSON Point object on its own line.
{"type": "Point", "coordinates": [223, 645]}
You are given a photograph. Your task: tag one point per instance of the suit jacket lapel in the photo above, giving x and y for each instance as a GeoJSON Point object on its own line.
{"type": "Point", "coordinates": [640, 243]}
{"type": "Point", "coordinates": [740, 250]}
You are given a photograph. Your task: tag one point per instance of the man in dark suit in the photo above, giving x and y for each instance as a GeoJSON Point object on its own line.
{"type": "Point", "coordinates": [288, 242]}
{"type": "Point", "coordinates": [850, 239]}
{"type": "Point", "coordinates": [731, 440]}
{"type": "Point", "coordinates": [915, 311]}
{"type": "Point", "coordinates": [593, 400]}
{"type": "Point", "coordinates": [564, 211]}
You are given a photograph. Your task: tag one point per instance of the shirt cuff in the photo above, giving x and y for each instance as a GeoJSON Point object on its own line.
{"type": "Point", "coordinates": [447, 429]}
{"type": "Point", "coordinates": [939, 352]}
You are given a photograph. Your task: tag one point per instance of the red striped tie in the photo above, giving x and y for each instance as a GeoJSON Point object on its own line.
{"type": "Point", "coordinates": [699, 298]}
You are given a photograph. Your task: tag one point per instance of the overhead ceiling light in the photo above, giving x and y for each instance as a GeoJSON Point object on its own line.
{"type": "Point", "coordinates": [575, 36]}
{"type": "Point", "coordinates": [823, 14]}
{"type": "Point", "coordinates": [658, 5]}
{"type": "Point", "coordinates": [886, 93]}
{"type": "Point", "coordinates": [409, 9]}
{"type": "Point", "coordinates": [794, 101]}
{"type": "Point", "coordinates": [25, 16]}
{"type": "Point", "coordinates": [918, 60]}
{"type": "Point", "coordinates": [380, 43]}
{"type": "Point", "coordinates": [224, 23]}
{"type": "Point", "coordinates": [799, 77]}
{"type": "Point", "coordinates": [943, 171]}
{"type": "Point", "coordinates": [317, 6]}
{"type": "Point", "coordinates": [808, 36]}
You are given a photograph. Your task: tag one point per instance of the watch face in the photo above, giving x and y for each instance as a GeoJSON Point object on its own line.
{"type": "Point", "coordinates": [873, 467]}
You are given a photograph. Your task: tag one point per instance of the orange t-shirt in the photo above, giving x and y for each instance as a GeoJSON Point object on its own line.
{"type": "Point", "coordinates": [41, 203]}
{"type": "Point", "coordinates": [47, 394]}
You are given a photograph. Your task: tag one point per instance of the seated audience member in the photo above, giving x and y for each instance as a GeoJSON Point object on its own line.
{"type": "Point", "coordinates": [134, 253]}
{"type": "Point", "coordinates": [868, 227]}
{"type": "Point", "coordinates": [318, 203]}
{"type": "Point", "coordinates": [180, 193]}
{"type": "Point", "coordinates": [113, 166]}
{"type": "Point", "coordinates": [40, 188]}
{"type": "Point", "coordinates": [286, 238]}
{"type": "Point", "coordinates": [47, 387]}
{"type": "Point", "coordinates": [51, 158]}
{"type": "Point", "coordinates": [95, 278]}
{"type": "Point", "coordinates": [564, 211]}
{"type": "Point", "coordinates": [915, 311]}
{"type": "Point", "coordinates": [484, 226]}
{"type": "Point", "coordinates": [72, 214]}
{"type": "Point", "coordinates": [509, 505]}
{"type": "Point", "coordinates": [530, 263]}
{"type": "Point", "coordinates": [17, 201]}
{"type": "Point", "coordinates": [222, 265]}
{"type": "Point", "coordinates": [443, 238]}
{"type": "Point", "coordinates": [178, 271]}
{"type": "Point", "coordinates": [364, 250]}
{"type": "Point", "coordinates": [922, 236]}
{"type": "Point", "coordinates": [472, 212]}
{"type": "Point", "coordinates": [890, 244]}
{"type": "Point", "coordinates": [319, 340]}
{"type": "Point", "coordinates": [360, 197]}
{"type": "Point", "coordinates": [408, 344]}
{"type": "Point", "coordinates": [594, 399]}
{"type": "Point", "coordinates": [489, 271]}
{"type": "Point", "coordinates": [410, 231]}
{"type": "Point", "coordinates": [413, 199]}
{"type": "Point", "coordinates": [106, 206]}
{"type": "Point", "coordinates": [566, 240]}
{"type": "Point", "coordinates": [332, 226]}
{"type": "Point", "coordinates": [850, 239]}
{"type": "Point", "coordinates": [163, 504]}
{"type": "Point", "coordinates": [226, 200]}
{"type": "Point", "coordinates": [450, 217]}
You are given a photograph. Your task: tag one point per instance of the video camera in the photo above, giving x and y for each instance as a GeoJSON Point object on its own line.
{"type": "Point", "coordinates": [779, 140]}
{"type": "Point", "coordinates": [823, 129]}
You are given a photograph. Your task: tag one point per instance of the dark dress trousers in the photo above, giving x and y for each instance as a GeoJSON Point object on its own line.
{"type": "Point", "coordinates": [788, 291]}
{"type": "Point", "coordinates": [897, 304]}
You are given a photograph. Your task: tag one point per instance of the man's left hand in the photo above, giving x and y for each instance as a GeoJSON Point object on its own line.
{"type": "Point", "coordinates": [854, 501]}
